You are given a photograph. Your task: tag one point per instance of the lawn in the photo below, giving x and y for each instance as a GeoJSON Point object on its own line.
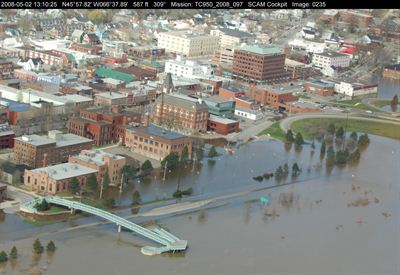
{"type": "Point", "coordinates": [311, 127]}
{"type": "Point", "coordinates": [356, 104]}
{"type": "Point", "coordinates": [56, 209]}
{"type": "Point", "coordinates": [381, 102]}
{"type": "Point", "coordinates": [274, 131]}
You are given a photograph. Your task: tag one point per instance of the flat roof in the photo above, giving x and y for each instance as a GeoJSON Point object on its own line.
{"type": "Point", "coordinates": [322, 83]}
{"type": "Point", "coordinates": [65, 171]}
{"type": "Point", "coordinates": [332, 54]}
{"type": "Point", "coordinates": [96, 156]}
{"type": "Point", "coordinates": [236, 33]}
{"type": "Point", "coordinates": [62, 141]}
{"type": "Point", "coordinates": [154, 130]}
{"type": "Point", "coordinates": [111, 95]}
{"type": "Point", "coordinates": [222, 120]}
{"type": "Point", "coordinates": [261, 49]}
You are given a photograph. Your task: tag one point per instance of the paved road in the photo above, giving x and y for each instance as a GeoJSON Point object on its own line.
{"type": "Point", "coordinates": [18, 197]}
{"type": "Point", "coordinates": [285, 123]}
{"type": "Point", "coordinates": [251, 131]}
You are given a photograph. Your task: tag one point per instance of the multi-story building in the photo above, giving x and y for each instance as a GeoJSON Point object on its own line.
{"type": "Point", "coordinates": [220, 107]}
{"type": "Point", "coordinates": [39, 151]}
{"type": "Point", "coordinates": [228, 92]}
{"type": "Point", "coordinates": [6, 69]}
{"type": "Point", "coordinates": [181, 113]}
{"type": "Point", "coordinates": [51, 58]}
{"type": "Point", "coordinates": [268, 95]}
{"type": "Point", "coordinates": [155, 142]}
{"type": "Point", "coordinates": [320, 87]}
{"type": "Point", "coordinates": [256, 63]}
{"type": "Point", "coordinates": [110, 99]}
{"type": "Point", "coordinates": [222, 125]}
{"type": "Point", "coordinates": [7, 136]}
{"type": "Point", "coordinates": [331, 59]}
{"type": "Point", "coordinates": [188, 68]}
{"type": "Point", "coordinates": [229, 39]}
{"type": "Point", "coordinates": [102, 162]}
{"type": "Point", "coordinates": [358, 18]}
{"type": "Point", "coordinates": [56, 178]}
{"type": "Point", "coordinates": [3, 192]}
{"type": "Point", "coordinates": [353, 88]}
{"type": "Point", "coordinates": [188, 43]}
{"type": "Point", "coordinates": [101, 124]}
{"type": "Point", "coordinates": [297, 69]}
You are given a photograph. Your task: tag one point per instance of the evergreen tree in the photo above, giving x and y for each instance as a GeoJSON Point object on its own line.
{"type": "Point", "coordinates": [340, 132]}
{"type": "Point", "coordinates": [289, 136]}
{"type": "Point", "coordinates": [330, 158]}
{"type": "Point", "coordinates": [92, 182]}
{"type": "Point", "coordinates": [313, 145]}
{"type": "Point", "coordinates": [185, 154]}
{"type": "Point", "coordinates": [299, 139]}
{"type": "Point", "coordinates": [285, 170]}
{"type": "Point", "coordinates": [51, 247]}
{"type": "Point", "coordinates": [106, 181]}
{"type": "Point", "coordinates": [279, 173]}
{"type": "Point", "coordinates": [136, 199]}
{"type": "Point", "coordinates": [42, 206]}
{"type": "Point", "coordinates": [74, 185]}
{"type": "Point", "coordinates": [110, 203]}
{"type": "Point", "coordinates": [172, 161]}
{"type": "Point", "coordinates": [395, 101]}
{"type": "Point", "coordinates": [342, 156]}
{"type": "Point", "coordinates": [37, 247]}
{"type": "Point", "coordinates": [353, 136]}
{"type": "Point", "coordinates": [363, 140]}
{"type": "Point", "coordinates": [323, 149]}
{"type": "Point", "coordinates": [128, 171]}
{"type": "Point", "coordinates": [295, 170]}
{"type": "Point", "coordinates": [3, 257]}
{"type": "Point", "coordinates": [14, 253]}
{"type": "Point", "coordinates": [213, 152]}
{"type": "Point", "coordinates": [355, 156]}
{"type": "Point", "coordinates": [146, 167]}
{"type": "Point", "coordinates": [331, 129]}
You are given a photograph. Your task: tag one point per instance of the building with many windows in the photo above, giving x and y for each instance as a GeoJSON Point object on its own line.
{"type": "Point", "coordinates": [255, 63]}
{"type": "Point", "coordinates": [188, 68]}
{"type": "Point", "coordinates": [331, 59]}
{"type": "Point", "coordinates": [40, 151]}
{"type": "Point", "coordinates": [155, 142]}
{"type": "Point", "coordinates": [188, 43]}
{"type": "Point", "coordinates": [181, 113]}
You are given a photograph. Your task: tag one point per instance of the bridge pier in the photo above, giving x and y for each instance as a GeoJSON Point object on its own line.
{"type": "Point", "coordinates": [119, 229]}
{"type": "Point", "coordinates": [72, 211]}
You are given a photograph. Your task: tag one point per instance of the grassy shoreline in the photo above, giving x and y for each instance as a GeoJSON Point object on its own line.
{"type": "Point", "coordinates": [274, 131]}
{"type": "Point", "coordinates": [310, 127]}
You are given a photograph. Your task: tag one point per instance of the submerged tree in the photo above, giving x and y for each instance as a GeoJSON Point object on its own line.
{"type": "Point", "coordinates": [295, 170]}
{"type": "Point", "coordinates": [51, 247]}
{"type": "Point", "coordinates": [14, 253]}
{"type": "Point", "coordinates": [213, 152]}
{"type": "Point", "coordinates": [289, 136]}
{"type": "Point", "coordinates": [37, 247]}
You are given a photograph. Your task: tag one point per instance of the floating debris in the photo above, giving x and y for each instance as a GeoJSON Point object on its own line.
{"type": "Point", "coordinates": [360, 202]}
{"type": "Point", "coordinates": [386, 214]}
{"type": "Point", "coordinates": [360, 221]}
{"type": "Point", "coordinates": [376, 200]}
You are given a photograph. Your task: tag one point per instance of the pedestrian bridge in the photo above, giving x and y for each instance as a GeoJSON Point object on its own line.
{"type": "Point", "coordinates": [158, 235]}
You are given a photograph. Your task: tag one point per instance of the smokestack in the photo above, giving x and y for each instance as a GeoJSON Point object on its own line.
{"type": "Point", "coordinates": [146, 119]}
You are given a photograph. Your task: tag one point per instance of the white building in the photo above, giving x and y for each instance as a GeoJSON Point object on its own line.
{"type": "Point", "coordinates": [249, 114]}
{"type": "Point", "coordinates": [188, 43]}
{"type": "Point", "coordinates": [308, 46]}
{"type": "Point", "coordinates": [328, 59]}
{"type": "Point", "coordinates": [188, 68]}
{"type": "Point", "coordinates": [355, 89]}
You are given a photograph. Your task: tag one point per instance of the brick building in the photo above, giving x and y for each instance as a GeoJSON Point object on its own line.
{"type": "Point", "coordinates": [256, 63]}
{"type": "Point", "coordinates": [102, 124]}
{"type": "Point", "coordinates": [6, 69]}
{"type": "Point", "coordinates": [102, 162]}
{"type": "Point", "coordinates": [7, 136]}
{"type": "Point", "coordinates": [3, 192]}
{"type": "Point", "coordinates": [320, 87]}
{"type": "Point", "coordinates": [182, 113]}
{"type": "Point", "coordinates": [38, 151]}
{"type": "Point", "coordinates": [222, 125]}
{"type": "Point", "coordinates": [56, 178]}
{"type": "Point", "coordinates": [271, 96]}
{"type": "Point", "coordinates": [111, 98]}
{"type": "Point", "coordinates": [228, 92]}
{"type": "Point", "coordinates": [155, 142]}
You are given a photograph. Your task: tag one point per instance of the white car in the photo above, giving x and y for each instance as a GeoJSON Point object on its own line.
{"type": "Point", "coordinates": [369, 112]}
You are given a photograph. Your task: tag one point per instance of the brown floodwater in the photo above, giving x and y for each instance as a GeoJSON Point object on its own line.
{"type": "Point", "coordinates": [344, 222]}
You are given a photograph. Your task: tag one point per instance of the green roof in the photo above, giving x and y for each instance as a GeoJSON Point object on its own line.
{"type": "Point", "coordinates": [258, 49]}
{"type": "Point", "coordinates": [152, 63]}
{"type": "Point", "coordinates": [70, 57]}
{"type": "Point", "coordinates": [115, 75]}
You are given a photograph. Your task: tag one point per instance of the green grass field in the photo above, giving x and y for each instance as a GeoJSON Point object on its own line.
{"type": "Point", "coordinates": [356, 104]}
{"type": "Point", "coordinates": [381, 102]}
{"type": "Point", "coordinates": [274, 131]}
{"type": "Point", "coordinates": [310, 128]}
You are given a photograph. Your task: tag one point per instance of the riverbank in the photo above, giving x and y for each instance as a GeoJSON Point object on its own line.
{"type": "Point", "coordinates": [310, 127]}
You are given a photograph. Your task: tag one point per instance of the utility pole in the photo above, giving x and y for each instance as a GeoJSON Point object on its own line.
{"type": "Point", "coordinates": [122, 183]}
{"type": "Point", "coordinates": [165, 170]}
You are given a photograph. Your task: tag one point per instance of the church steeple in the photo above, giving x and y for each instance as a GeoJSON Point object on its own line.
{"type": "Point", "coordinates": [168, 85]}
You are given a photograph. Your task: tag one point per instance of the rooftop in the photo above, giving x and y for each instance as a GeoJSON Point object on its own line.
{"type": "Point", "coordinates": [108, 73]}
{"type": "Point", "coordinates": [332, 54]}
{"type": "Point", "coordinates": [153, 130]}
{"type": "Point", "coordinates": [96, 156]}
{"type": "Point", "coordinates": [183, 101]}
{"type": "Point", "coordinates": [221, 119]}
{"type": "Point", "coordinates": [111, 95]}
{"type": "Point", "coordinates": [5, 130]}
{"type": "Point", "coordinates": [261, 49]}
{"type": "Point", "coordinates": [65, 171]}
{"type": "Point", "coordinates": [322, 83]}
{"type": "Point", "coordinates": [54, 137]}
{"type": "Point", "coordinates": [236, 33]}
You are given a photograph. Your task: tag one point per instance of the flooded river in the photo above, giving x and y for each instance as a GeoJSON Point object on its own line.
{"type": "Point", "coordinates": [315, 226]}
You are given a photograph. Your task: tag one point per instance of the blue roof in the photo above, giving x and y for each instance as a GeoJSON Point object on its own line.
{"type": "Point", "coordinates": [14, 105]}
{"type": "Point", "coordinates": [232, 89]}
{"type": "Point", "coordinates": [323, 83]}
{"type": "Point", "coordinates": [158, 131]}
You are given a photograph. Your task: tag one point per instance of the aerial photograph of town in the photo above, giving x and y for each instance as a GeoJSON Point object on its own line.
{"type": "Point", "coordinates": [199, 141]}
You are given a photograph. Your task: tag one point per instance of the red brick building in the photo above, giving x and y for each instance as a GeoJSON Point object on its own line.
{"type": "Point", "coordinates": [102, 124]}
{"type": "Point", "coordinates": [227, 92]}
{"type": "Point", "coordinates": [3, 192]}
{"type": "Point", "coordinates": [222, 125]}
{"type": "Point", "coordinates": [320, 87]}
{"type": "Point", "coordinates": [272, 96]}
{"type": "Point", "coordinates": [253, 63]}
{"type": "Point", "coordinates": [7, 136]}
{"type": "Point", "coordinates": [6, 69]}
